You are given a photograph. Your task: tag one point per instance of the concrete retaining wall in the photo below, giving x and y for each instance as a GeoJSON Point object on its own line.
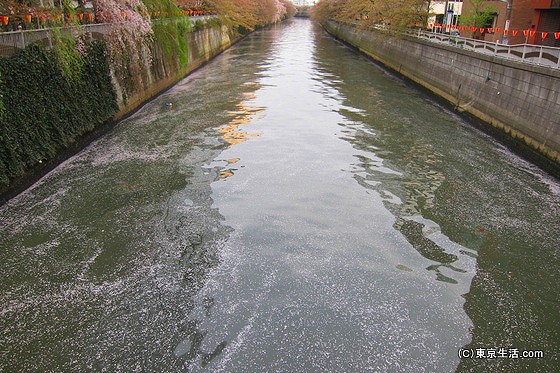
{"type": "Point", "coordinates": [165, 72]}
{"type": "Point", "coordinates": [521, 99]}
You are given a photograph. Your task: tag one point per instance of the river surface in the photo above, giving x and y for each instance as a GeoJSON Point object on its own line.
{"type": "Point", "coordinates": [296, 209]}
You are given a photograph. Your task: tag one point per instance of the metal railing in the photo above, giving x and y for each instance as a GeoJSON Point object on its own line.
{"type": "Point", "coordinates": [528, 53]}
{"type": "Point", "coordinates": [12, 41]}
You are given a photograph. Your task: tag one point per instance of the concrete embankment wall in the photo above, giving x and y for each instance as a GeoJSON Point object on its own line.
{"type": "Point", "coordinates": [521, 99]}
{"type": "Point", "coordinates": [164, 71]}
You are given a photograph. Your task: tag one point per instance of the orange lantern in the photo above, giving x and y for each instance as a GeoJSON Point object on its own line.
{"type": "Point", "coordinates": [557, 35]}
{"type": "Point", "coordinates": [80, 16]}
{"type": "Point", "coordinates": [544, 34]}
{"type": "Point", "coordinates": [27, 18]}
{"type": "Point", "coordinates": [89, 17]}
{"type": "Point", "coordinates": [5, 20]}
{"type": "Point", "coordinates": [124, 14]}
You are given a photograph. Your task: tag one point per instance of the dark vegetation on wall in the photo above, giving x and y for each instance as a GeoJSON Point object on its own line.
{"type": "Point", "coordinates": [53, 100]}
{"type": "Point", "coordinates": [49, 99]}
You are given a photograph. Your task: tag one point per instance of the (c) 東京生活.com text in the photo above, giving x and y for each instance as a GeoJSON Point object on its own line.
{"type": "Point", "coordinates": [499, 353]}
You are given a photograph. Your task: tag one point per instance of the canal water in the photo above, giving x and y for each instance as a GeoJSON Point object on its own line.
{"type": "Point", "coordinates": [296, 209]}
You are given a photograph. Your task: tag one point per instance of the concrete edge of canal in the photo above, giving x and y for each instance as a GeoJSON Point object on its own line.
{"type": "Point", "coordinates": [521, 102]}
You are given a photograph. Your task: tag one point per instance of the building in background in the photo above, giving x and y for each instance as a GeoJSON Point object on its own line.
{"type": "Point", "coordinates": [304, 2]}
{"type": "Point", "coordinates": [546, 18]}
{"type": "Point", "coordinates": [530, 21]}
{"type": "Point", "coordinates": [445, 13]}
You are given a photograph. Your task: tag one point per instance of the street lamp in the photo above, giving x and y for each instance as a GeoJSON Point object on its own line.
{"type": "Point", "coordinates": [508, 18]}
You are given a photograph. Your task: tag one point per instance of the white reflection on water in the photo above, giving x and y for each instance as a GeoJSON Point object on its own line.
{"type": "Point", "coordinates": [318, 276]}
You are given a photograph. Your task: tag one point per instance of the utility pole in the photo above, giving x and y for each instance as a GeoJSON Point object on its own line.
{"type": "Point", "coordinates": [505, 38]}
{"type": "Point", "coordinates": [445, 13]}
{"type": "Point", "coordinates": [447, 18]}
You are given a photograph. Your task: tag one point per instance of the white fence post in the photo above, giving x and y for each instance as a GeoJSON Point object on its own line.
{"type": "Point", "coordinates": [22, 39]}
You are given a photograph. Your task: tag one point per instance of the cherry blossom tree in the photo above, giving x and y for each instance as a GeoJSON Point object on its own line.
{"type": "Point", "coordinates": [396, 14]}
{"type": "Point", "coordinates": [253, 13]}
{"type": "Point", "coordinates": [129, 37]}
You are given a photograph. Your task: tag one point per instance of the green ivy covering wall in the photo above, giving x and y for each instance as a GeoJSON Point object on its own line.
{"type": "Point", "coordinates": [46, 108]}
{"type": "Point", "coordinates": [170, 31]}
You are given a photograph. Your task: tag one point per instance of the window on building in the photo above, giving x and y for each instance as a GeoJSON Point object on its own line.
{"type": "Point", "coordinates": [490, 21]}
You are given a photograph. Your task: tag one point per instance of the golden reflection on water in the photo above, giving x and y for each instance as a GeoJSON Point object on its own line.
{"type": "Point", "coordinates": [243, 115]}
{"type": "Point", "coordinates": [225, 174]}
{"type": "Point", "coordinates": [231, 133]}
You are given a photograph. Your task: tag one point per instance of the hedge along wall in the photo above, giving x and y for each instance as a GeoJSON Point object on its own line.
{"type": "Point", "coordinates": [520, 99]}
{"type": "Point", "coordinates": [46, 104]}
